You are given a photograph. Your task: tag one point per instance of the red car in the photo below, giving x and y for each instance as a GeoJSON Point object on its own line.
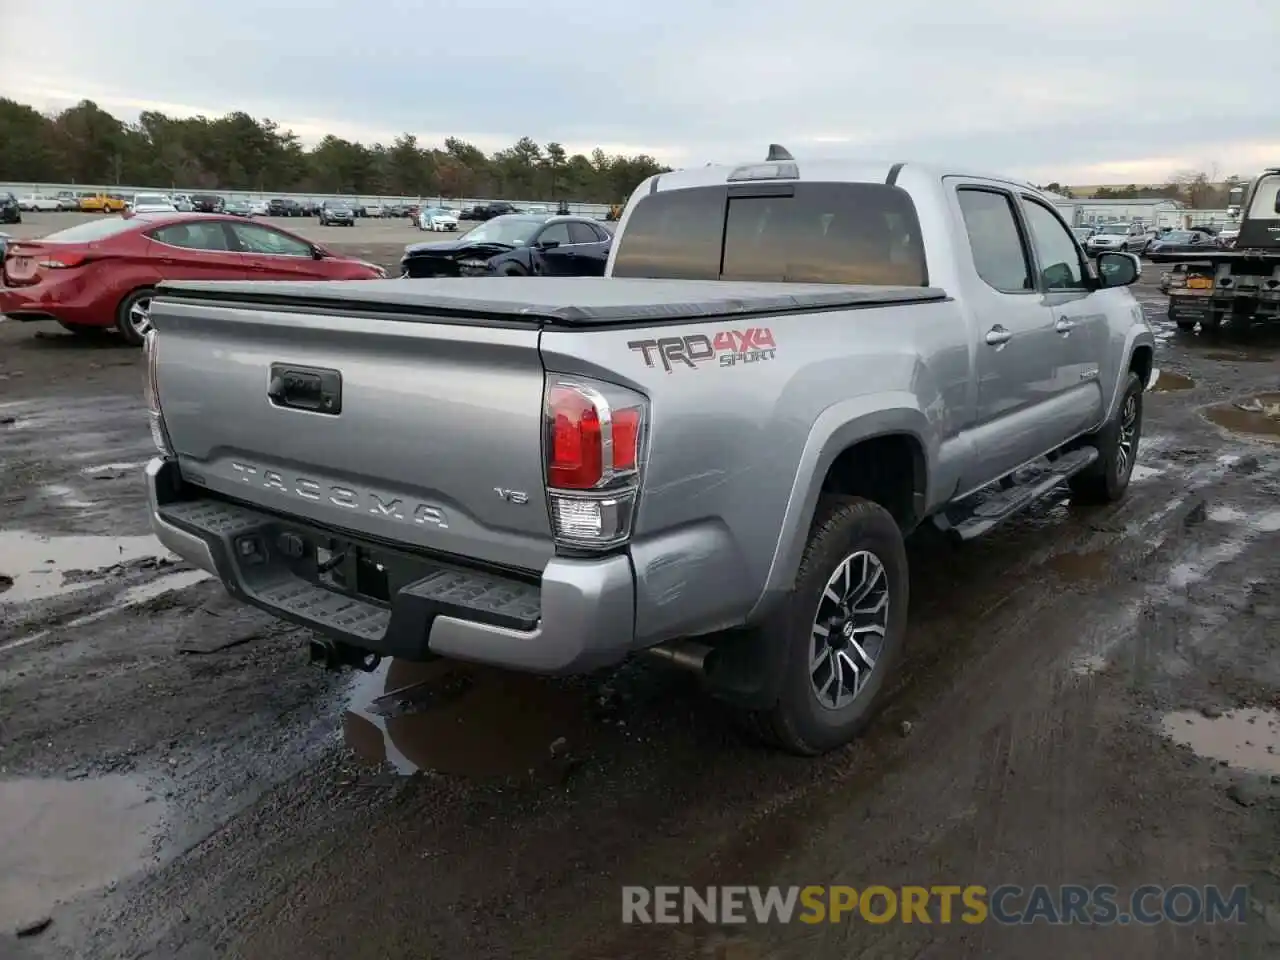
{"type": "Point", "coordinates": [102, 274]}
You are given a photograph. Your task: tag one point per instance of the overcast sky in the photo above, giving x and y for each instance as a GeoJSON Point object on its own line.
{"type": "Point", "coordinates": [1083, 91]}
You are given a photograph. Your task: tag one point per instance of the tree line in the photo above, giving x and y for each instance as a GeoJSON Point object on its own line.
{"type": "Point", "coordinates": [1198, 189]}
{"type": "Point", "coordinates": [86, 144]}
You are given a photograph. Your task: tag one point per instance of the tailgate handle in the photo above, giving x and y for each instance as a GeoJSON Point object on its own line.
{"type": "Point", "coordinates": [313, 389]}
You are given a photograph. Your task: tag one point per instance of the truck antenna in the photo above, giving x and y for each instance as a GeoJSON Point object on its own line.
{"type": "Point", "coordinates": [778, 152]}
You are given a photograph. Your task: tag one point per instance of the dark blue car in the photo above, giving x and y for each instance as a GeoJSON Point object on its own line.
{"type": "Point", "coordinates": [515, 245]}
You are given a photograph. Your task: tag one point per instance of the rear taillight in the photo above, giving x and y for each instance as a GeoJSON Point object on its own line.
{"type": "Point", "coordinates": [151, 395]}
{"type": "Point", "coordinates": [594, 449]}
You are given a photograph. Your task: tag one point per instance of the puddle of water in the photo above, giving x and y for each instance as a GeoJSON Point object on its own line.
{"type": "Point", "coordinates": [130, 598]}
{"type": "Point", "coordinates": [1088, 665]}
{"type": "Point", "coordinates": [113, 467]}
{"type": "Point", "coordinates": [1246, 739]}
{"type": "Point", "coordinates": [37, 564]}
{"type": "Point", "coordinates": [1169, 381]}
{"type": "Point", "coordinates": [1226, 514]}
{"type": "Point", "coordinates": [1182, 575]}
{"type": "Point", "coordinates": [67, 495]}
{"type": "Point", "coordinates": [1142, 472]}
{"type": "Point", "coordinates": [460, 719]}
{"type": "Point", "coordinates": [1257, 416]}
{"type": "Point", "coordinates": [60, 839]}
{"type": "Point", "coordinates": [1080, 567]}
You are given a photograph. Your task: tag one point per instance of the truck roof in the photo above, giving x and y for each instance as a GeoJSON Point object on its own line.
{"type": "Point", "coordinates": [568, 301]}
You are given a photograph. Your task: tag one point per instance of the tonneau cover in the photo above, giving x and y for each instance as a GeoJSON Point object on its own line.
{"type": "Point", "coordinates": [553, 300]}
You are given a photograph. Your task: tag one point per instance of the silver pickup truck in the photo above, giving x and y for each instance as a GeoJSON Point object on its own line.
{"type": "Point", "coordinates": [711, 454]}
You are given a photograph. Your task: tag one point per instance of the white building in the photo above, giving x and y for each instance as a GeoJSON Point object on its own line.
{"type": "Point", "coordinates": [1156, 211]}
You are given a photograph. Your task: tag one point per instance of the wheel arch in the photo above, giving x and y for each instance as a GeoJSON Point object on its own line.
{"type": "Point", "coordinates": [858, 448]}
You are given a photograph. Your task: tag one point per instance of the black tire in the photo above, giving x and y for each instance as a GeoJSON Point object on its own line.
{"type": "Point", "coordinates": [125, 323]}
{"type": "Point", "coordinates": [1108, 478]}
{"type": "Point", "coordinates": [1186, 326]}
{"type": "Point", "coordinates": [512, 270]}
{"type": "Point", "coordinates": [798, 722]}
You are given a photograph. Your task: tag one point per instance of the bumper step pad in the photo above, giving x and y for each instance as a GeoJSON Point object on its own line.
{"type": "Point", "coordinates": [403, 629]}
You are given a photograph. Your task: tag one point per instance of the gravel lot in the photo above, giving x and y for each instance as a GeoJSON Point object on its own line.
{"type": "Point", "coordinates": [177, 783]}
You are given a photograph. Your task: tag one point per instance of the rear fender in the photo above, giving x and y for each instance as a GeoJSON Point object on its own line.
{"type": "Point", "coordinates": [839, 427]}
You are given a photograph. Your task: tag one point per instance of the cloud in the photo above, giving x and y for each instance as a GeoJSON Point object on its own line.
{"type": "Point", "coordinates": [1089, 92]}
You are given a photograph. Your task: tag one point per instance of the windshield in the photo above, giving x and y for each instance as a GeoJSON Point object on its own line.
{"type": "Point", "coordinates": [1114, 228]}
{"type": "Point", "coordinates": [513, 231]}
{"type": "Point", "coordinates": [1082, 232]}
{"type": "Point", "coordinates": [338, 205]}
{"type": "Point", "coordinates": [91, 231]}
{"type": "Point", "coordinates": [1266, 198]}
{"type": "Point", "coordinates": [1176, 236]}
{"type": "Point", "coordinates": [151, 200]}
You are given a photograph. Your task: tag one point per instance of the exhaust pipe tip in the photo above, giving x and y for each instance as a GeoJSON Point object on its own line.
{"type": "Point", "coordinates": [685, 654]}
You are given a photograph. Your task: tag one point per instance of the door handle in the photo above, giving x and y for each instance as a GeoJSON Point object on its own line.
{"type": "Point", "coordinates": [1064, 326]}
{"type": "Point", "coordinates": [998, 336]}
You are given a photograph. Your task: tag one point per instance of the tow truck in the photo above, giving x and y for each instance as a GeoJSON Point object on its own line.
{"type": "Point", "coordinates": [1238, 286]}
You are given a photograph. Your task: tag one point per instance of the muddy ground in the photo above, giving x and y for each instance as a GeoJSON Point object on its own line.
{"type": "Point", "coordinates": [178, 783]}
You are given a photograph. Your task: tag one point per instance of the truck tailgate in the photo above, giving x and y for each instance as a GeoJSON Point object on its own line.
{"type": "Point", "coordinates": [431, 431]}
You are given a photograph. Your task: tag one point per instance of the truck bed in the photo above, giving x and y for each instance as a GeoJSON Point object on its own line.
{"type": "Point", "coordinates": [550, 301]}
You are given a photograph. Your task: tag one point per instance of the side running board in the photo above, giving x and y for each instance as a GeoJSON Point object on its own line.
{"type": "Point", "coordinates": [994, 509]}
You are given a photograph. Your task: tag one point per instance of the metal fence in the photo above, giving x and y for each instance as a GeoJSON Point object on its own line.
{"type": "Point", "coordinates": [597, 210]}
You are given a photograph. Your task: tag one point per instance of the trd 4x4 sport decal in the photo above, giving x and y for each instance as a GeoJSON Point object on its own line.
{"type": "Point", "coordinates": [730, 346]}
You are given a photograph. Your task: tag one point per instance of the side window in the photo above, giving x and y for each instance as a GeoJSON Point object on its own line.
{"type": "Point", "coordinates": [673, 234]}
{"type": "Point", "coordinates": [194, 236]}
{"type": "Point", "coordinates": [998, 253]}
{"type": "Point", "coordinates": [582, 233]}
{"type": "Point", "coordinates": [255, 238]}
{"type": "Point", "coordinates": [557, 233]}
{"type": "Point", "coordinates": [1060, 267]}
{"type": "Point", "coordinates": [826, 233]}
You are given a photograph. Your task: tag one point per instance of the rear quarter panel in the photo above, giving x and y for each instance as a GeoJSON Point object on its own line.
{"type": "Point", "coordinates": [736, 448]}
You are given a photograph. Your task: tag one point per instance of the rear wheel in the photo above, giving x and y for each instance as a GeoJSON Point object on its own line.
{"type": "Point", "coordinates": [133, 316]}
{"type": "Point", "coordinates": [843, 628]}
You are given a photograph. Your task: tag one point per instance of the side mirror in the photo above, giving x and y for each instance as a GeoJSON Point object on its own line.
{"type": "Point", "coordinates": [548, 244]}
{"type": "Point", "coordinates": [1118, 269]}
{"type": "Point", "coordinates": [318, 252]}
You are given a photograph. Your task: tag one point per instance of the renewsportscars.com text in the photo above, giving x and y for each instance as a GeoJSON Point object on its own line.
{"type": "Point", "coordinates": [938, 904]}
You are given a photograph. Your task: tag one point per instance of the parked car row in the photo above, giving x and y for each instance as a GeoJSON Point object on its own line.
{"type": "Point", "coordinates": [1160, 245]}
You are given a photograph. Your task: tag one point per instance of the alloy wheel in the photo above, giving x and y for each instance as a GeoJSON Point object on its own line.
{"type": "Point", "coordinates": [849, 627]}
{"type": "Point", "coordinates": [1128, 436]}
{"type": "Point", "coordinates": [140, 316]}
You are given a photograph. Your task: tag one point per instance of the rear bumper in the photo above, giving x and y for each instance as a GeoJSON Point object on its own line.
{"type": "Point", "coordinates": [580, 616]}
{"type": "Point", "coordinates": [72, 301]}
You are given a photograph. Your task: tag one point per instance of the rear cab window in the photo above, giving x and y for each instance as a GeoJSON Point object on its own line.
{"type": "Point", "coordinates": [995, 239]}
{"type": "Point", "coordinates": [801, 232]}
